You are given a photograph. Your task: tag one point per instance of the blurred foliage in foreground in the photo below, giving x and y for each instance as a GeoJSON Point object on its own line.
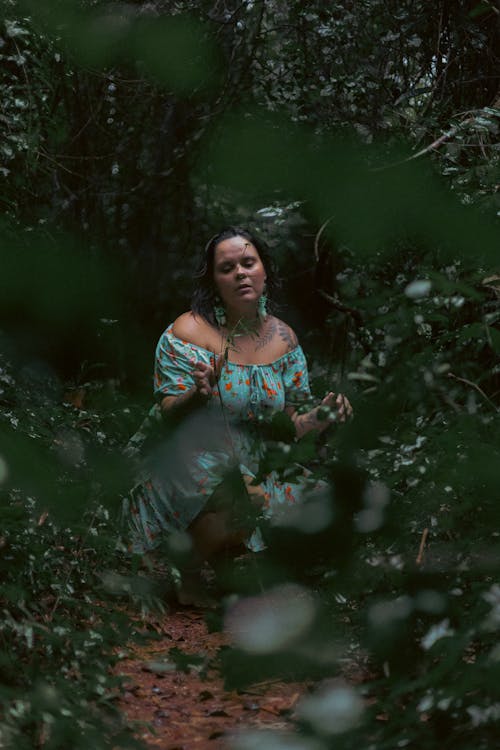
{"type": "Point", "coordinates": [60, 636]}
{"type": "Point", "coordinates": [142, 127]}
{"type": "Point", "coordinates": [345, 583]}
{"type": "Point", "coordinates": [410, 580]}
{"type": "Point", "coordinates": [423, 377]}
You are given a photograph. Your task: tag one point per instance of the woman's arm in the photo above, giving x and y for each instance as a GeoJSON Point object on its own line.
{"type": "Point", "coordinates": [192, 329]}
{"type": "Point", "coordinates": [178, 407]}
{"type": "Point", "coordinates": [333, 408]}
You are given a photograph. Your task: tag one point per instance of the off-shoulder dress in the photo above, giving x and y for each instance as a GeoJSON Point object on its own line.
{"type": "Point", "coordinates": [177, 479]}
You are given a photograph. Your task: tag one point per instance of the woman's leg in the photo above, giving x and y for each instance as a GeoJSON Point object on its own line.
{"type": "Point", "coordinates": [213, 533]}
{"type": "Point", "coordinates": [212, 538]}
{"type": "Point", "coordinates": [219, 532]}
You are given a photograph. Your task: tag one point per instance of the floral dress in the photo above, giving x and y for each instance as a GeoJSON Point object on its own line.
{"type": "Point", "coordinates": [178, 477]}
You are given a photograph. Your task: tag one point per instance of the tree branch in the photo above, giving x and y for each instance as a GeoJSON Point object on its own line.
{"type": "Point", "coordinates": [343, 308]}
{"type": "Point", "coordinates": [476, 387]}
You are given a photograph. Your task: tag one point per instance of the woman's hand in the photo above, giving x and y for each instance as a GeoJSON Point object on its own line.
{"type": "Point", "coordinates": [335, 408]}
{"type": "Point", "coordinates": [205, 376]}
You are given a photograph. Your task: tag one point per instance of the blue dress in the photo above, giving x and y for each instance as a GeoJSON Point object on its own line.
{"type": "Point", "coordinates": [176, 480]}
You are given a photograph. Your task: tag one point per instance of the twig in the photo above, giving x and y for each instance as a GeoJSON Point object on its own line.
{"type": "Point", "coordinates": [44, 155]}
{"type": "Point", "coordinates": [343, 308]}
{"type": "Point", "coordinates": [431, 147]}
{"type": "Point", "coordinates": [318, 237]}
{"type": "Point", "coordinates": [258, 687]}
{"type": "Point", "coordinates": [420, 556]}
{"type": "Point", "coordinates": [476, 387]}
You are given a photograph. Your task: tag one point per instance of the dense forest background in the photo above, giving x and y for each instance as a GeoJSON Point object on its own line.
{"type": "Point", "coordinates": [362, 140]}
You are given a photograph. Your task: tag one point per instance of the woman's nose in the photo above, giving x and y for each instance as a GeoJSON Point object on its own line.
{"type": "Point", "coordinates": [240, 272]}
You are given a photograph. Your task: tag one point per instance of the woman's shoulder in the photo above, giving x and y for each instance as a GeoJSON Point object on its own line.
{"type": "Point", "coordinates": [193, 329]}
{"type": "Point", "coordinates": [285, 336]}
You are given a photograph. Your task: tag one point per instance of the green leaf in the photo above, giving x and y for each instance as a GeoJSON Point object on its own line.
{"type": "Point", "coordinates": [480, 9]}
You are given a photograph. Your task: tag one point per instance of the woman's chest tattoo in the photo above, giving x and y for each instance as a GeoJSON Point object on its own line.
{"type": "Point", "coordinates": [266, 336]}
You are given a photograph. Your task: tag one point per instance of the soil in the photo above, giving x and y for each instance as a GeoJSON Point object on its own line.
{"type": "Point", "coordinates": [175, 705]}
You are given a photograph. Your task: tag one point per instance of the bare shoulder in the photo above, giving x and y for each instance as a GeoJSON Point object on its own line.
{"type": "Point", "coordinates": [194, 329]}
{"type": "Point", "coordinates": [286, 335]}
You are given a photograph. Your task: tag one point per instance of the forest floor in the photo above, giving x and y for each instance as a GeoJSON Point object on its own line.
{"type": "Point", "coordinates": [182, 704]}
{"type": "Point", "coordinates": [184, 707]}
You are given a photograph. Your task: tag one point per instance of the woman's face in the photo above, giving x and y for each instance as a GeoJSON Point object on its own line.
{"type": "Point", "coordinates": [239, 274]}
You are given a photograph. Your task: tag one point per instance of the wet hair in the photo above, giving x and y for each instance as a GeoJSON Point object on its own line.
{"type": "Point", "coordinates": [203, 299]}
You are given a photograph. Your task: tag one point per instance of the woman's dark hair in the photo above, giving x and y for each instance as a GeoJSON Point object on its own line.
{"type": "Point", "coordinates": [203, 300]}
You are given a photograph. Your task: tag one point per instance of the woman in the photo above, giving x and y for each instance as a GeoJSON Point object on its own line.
{"type": "Point", "coordinates": [220, 369]}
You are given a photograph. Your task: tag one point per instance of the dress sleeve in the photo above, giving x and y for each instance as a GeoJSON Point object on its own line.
{"type": "Point", "coordinates": [174, 362]}
{"type": "Point", "coordinates": [296, 378]}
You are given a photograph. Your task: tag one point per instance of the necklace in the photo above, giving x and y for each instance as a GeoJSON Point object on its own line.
{"type": "Point", "coordinates": [246, 327]}
{"type": "Point", "coordinates": [240, 331]}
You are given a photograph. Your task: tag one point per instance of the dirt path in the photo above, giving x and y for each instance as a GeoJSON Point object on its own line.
{"type": "Point", "coordinates": [186, 706]}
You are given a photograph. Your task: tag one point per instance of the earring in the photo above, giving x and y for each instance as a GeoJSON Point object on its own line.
{"type": "Point", "coordinates": [219, 313]}
{"type": "Point", "coordinates": [262, 306]}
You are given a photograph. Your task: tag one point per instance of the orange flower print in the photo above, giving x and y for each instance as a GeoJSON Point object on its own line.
{"type": "Point", "coordinates": [229, 386]}
{"type": "Point", "coordinates": [297, 378]}
{"type": "Point", "coordinates": [270, 391]}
